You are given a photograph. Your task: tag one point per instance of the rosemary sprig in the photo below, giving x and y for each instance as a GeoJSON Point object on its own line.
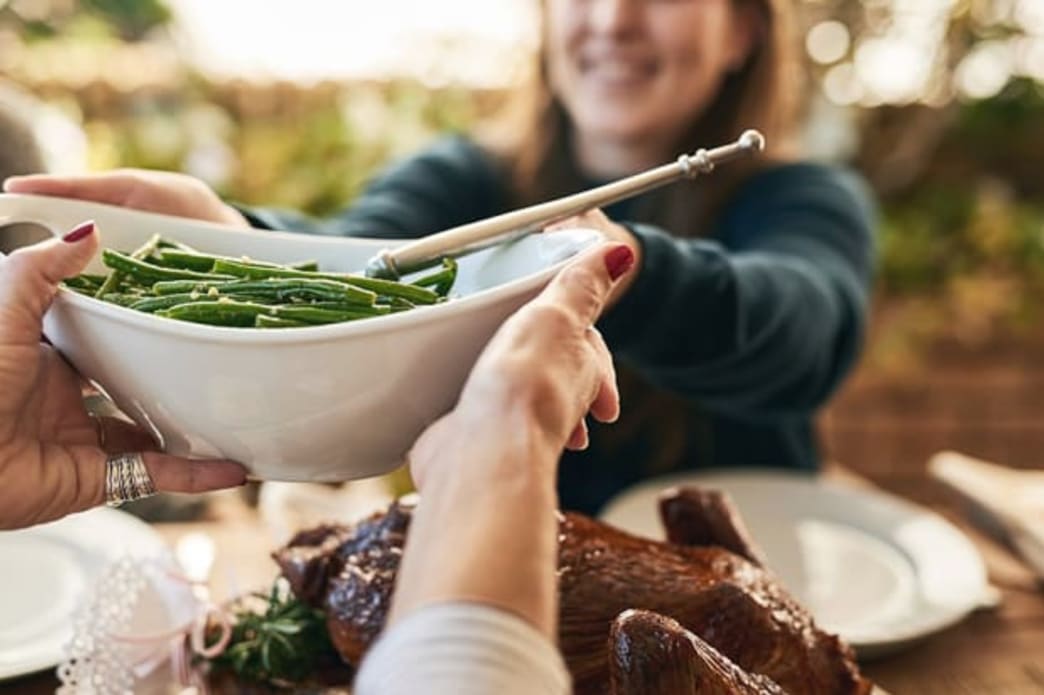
{"type": "Point", "coordinates": [282, 643]}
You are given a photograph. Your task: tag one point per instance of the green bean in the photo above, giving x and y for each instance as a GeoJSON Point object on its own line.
{"type": "Point", "coordinates": [165, 243]}
{"type": "Point", "coordinates": [182, 286]}
{"type": "Point", "coordinates": [374, 310]}
{"type": "Point", "coordinates": [150, 274]}
{"type": "Point", "coordinates": [152, 304]}
{"type": "Point", "coordinates": [85, 291]}
{"type": "Point", "coordinates": [441, 281]}
{"type": "Point", "coordinates": [219, 313]}
{"type": "Point", "coordinates": [185, 260]}
{"type": "Point", "coordinates": [396, 304]}
{"type": "Point", "coordinates": [81, 283]}
{"type": "Point", "coordinates": [232, 313]}
{"type": "Point", "coordinates": [120, 298]}
{"type": "Point", "coordinates": [204, 262]}
{"type": "Point", "coordinates": [112, 282]}
{"type": "Point", "coordinates": [317, 315]}
{"type": "Point", "coordinates": [282, 288]}
{"type": "Point", "coordinates": [390, 288]}
{"type": "Point", "coordinates": [266, 321]}
{"type": "Point", "coordinates": [417, 295]}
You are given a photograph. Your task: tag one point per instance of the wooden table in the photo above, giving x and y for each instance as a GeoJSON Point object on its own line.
{"type": "Point", "coordinates": [998, 650]}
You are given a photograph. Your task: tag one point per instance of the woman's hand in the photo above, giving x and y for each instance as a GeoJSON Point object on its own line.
{"type": "Point", "coordinates": [596, 219]}
{"type": "Point", "coordinates": [543, 371]}
{"type": "Point", "coordinates": [153, 191]}
{"type": "Point", "coordinates": [485, 529]}
{"type": "Point", "coordinates": [52, 454]}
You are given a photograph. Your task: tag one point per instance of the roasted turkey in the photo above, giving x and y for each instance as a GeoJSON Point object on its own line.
{"type": "Point", "coordinates": [698, 613]}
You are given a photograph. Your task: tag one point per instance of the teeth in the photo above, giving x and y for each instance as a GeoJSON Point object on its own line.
{"type": "Point", "coordinates": [618, 71]}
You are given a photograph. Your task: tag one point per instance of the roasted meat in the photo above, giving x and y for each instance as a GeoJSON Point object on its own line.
{"type": "Point", "coordinates": [653, 655]}
{"type": "Point", "coordinates": [708, 578]}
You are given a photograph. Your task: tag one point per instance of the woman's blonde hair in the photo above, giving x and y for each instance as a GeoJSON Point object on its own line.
{"type": "Point", "coordinates": [763, 94]}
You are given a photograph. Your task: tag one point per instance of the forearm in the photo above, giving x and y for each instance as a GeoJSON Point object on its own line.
{"type": "Point", "coordinates": [797, 332]}
{"type": "Point", "coordinates": [761, 332]}
{"type": "Point", "coordinates": [488, 532]}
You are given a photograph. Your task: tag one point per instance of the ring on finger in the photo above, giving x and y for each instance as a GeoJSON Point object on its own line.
{"type": "Point", "coordinates": [127, 479]}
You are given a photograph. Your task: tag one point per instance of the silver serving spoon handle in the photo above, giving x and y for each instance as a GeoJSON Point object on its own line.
{"type": "Point", "coordinates": [475, 236]}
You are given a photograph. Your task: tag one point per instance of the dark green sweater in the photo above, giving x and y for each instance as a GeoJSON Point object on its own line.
{"type": "Point", "coordinates": [726, 344]}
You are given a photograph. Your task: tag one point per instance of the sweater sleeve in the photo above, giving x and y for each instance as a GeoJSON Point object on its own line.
{"type": "Point", "coordinates": [451, 183]}
{"type": "Point", "coordinates": [462, 649]}
{"type": "Point", "coordinates": [764, 321]}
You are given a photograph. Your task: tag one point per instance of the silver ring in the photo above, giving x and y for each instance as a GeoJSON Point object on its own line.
{"type": "Point", "coordinates": [127, 479]}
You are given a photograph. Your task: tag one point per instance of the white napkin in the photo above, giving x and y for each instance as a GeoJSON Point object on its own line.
{"type": "Point", "coordinates": [1013, 499]}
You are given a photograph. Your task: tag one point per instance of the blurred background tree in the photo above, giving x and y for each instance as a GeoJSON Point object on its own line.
{"type": "Point", "coordinates": [946, 98]}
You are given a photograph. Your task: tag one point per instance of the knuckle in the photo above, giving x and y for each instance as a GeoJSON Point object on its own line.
{"type": "Point", "coordinates": [527, 372]}
{"type": "Point", "coordinates": [15, 262]}
{"type": "Point", "coordinates": [586, 288]}
{"type": "Point", "coordinates": [552, 318]}
{"type": "Point", "coordinates": [24, 268]}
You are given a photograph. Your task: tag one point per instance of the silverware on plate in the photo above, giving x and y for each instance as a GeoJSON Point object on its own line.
{"type": "Point", "coordinates": [475, 236]}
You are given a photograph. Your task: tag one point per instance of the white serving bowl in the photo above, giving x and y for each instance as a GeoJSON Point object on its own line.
{"type": "Point", "coordinates": [323, 403]}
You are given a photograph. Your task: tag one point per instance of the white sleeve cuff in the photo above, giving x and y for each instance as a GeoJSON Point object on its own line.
{"type": "Point", "coordinates": [462, 649]}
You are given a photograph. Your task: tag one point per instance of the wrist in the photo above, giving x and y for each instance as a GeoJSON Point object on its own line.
{"type": "Point", "coordinates": [513, 426]}
{"type": "Point", "coordinates": [500, 446]}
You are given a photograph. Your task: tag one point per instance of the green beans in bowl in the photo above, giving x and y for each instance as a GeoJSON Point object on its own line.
{"type": "Point", "coordinates": [171, 279]}
{"type": "Point", "coordinates": [319, 401]}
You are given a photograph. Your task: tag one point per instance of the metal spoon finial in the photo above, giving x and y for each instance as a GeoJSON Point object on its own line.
{"type": "Point", "coordinates": [752, 141]}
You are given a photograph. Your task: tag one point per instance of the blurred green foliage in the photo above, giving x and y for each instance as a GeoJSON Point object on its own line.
{"type": "Point", "coordinates": [961, 246]}
{"type": "Point", "coordinates": [129, 20]}
{"type": "Point", "coordinates": [132, 18]}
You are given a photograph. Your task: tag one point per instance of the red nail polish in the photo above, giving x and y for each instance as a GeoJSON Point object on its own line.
{"type": "Point", "coordinates": [81, 231]}
{"type": "Point", "coordinates": [619, 261]}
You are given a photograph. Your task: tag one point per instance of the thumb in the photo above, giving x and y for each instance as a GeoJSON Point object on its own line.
{"type": "Point", "coordinates": [583, 286]}
{"type": "Point", "coordinates": [29, 278]}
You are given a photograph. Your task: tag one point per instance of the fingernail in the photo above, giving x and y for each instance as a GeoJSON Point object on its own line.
{"type": "Point", "coordinates": [619, 261]}
{"type": "Point", "coordinates": [84, 229]}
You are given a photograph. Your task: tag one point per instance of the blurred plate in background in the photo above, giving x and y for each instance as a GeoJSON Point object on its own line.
{"type": "Point", "coordinates": [877, 570]}
{"type": "Point", "coordinates": [48, 570]}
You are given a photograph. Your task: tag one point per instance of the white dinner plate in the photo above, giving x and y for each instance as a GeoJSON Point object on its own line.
{"type": "Point", "coordinates": [47, 571]}
{"type": "Point", "coordinates": [877, 570]}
